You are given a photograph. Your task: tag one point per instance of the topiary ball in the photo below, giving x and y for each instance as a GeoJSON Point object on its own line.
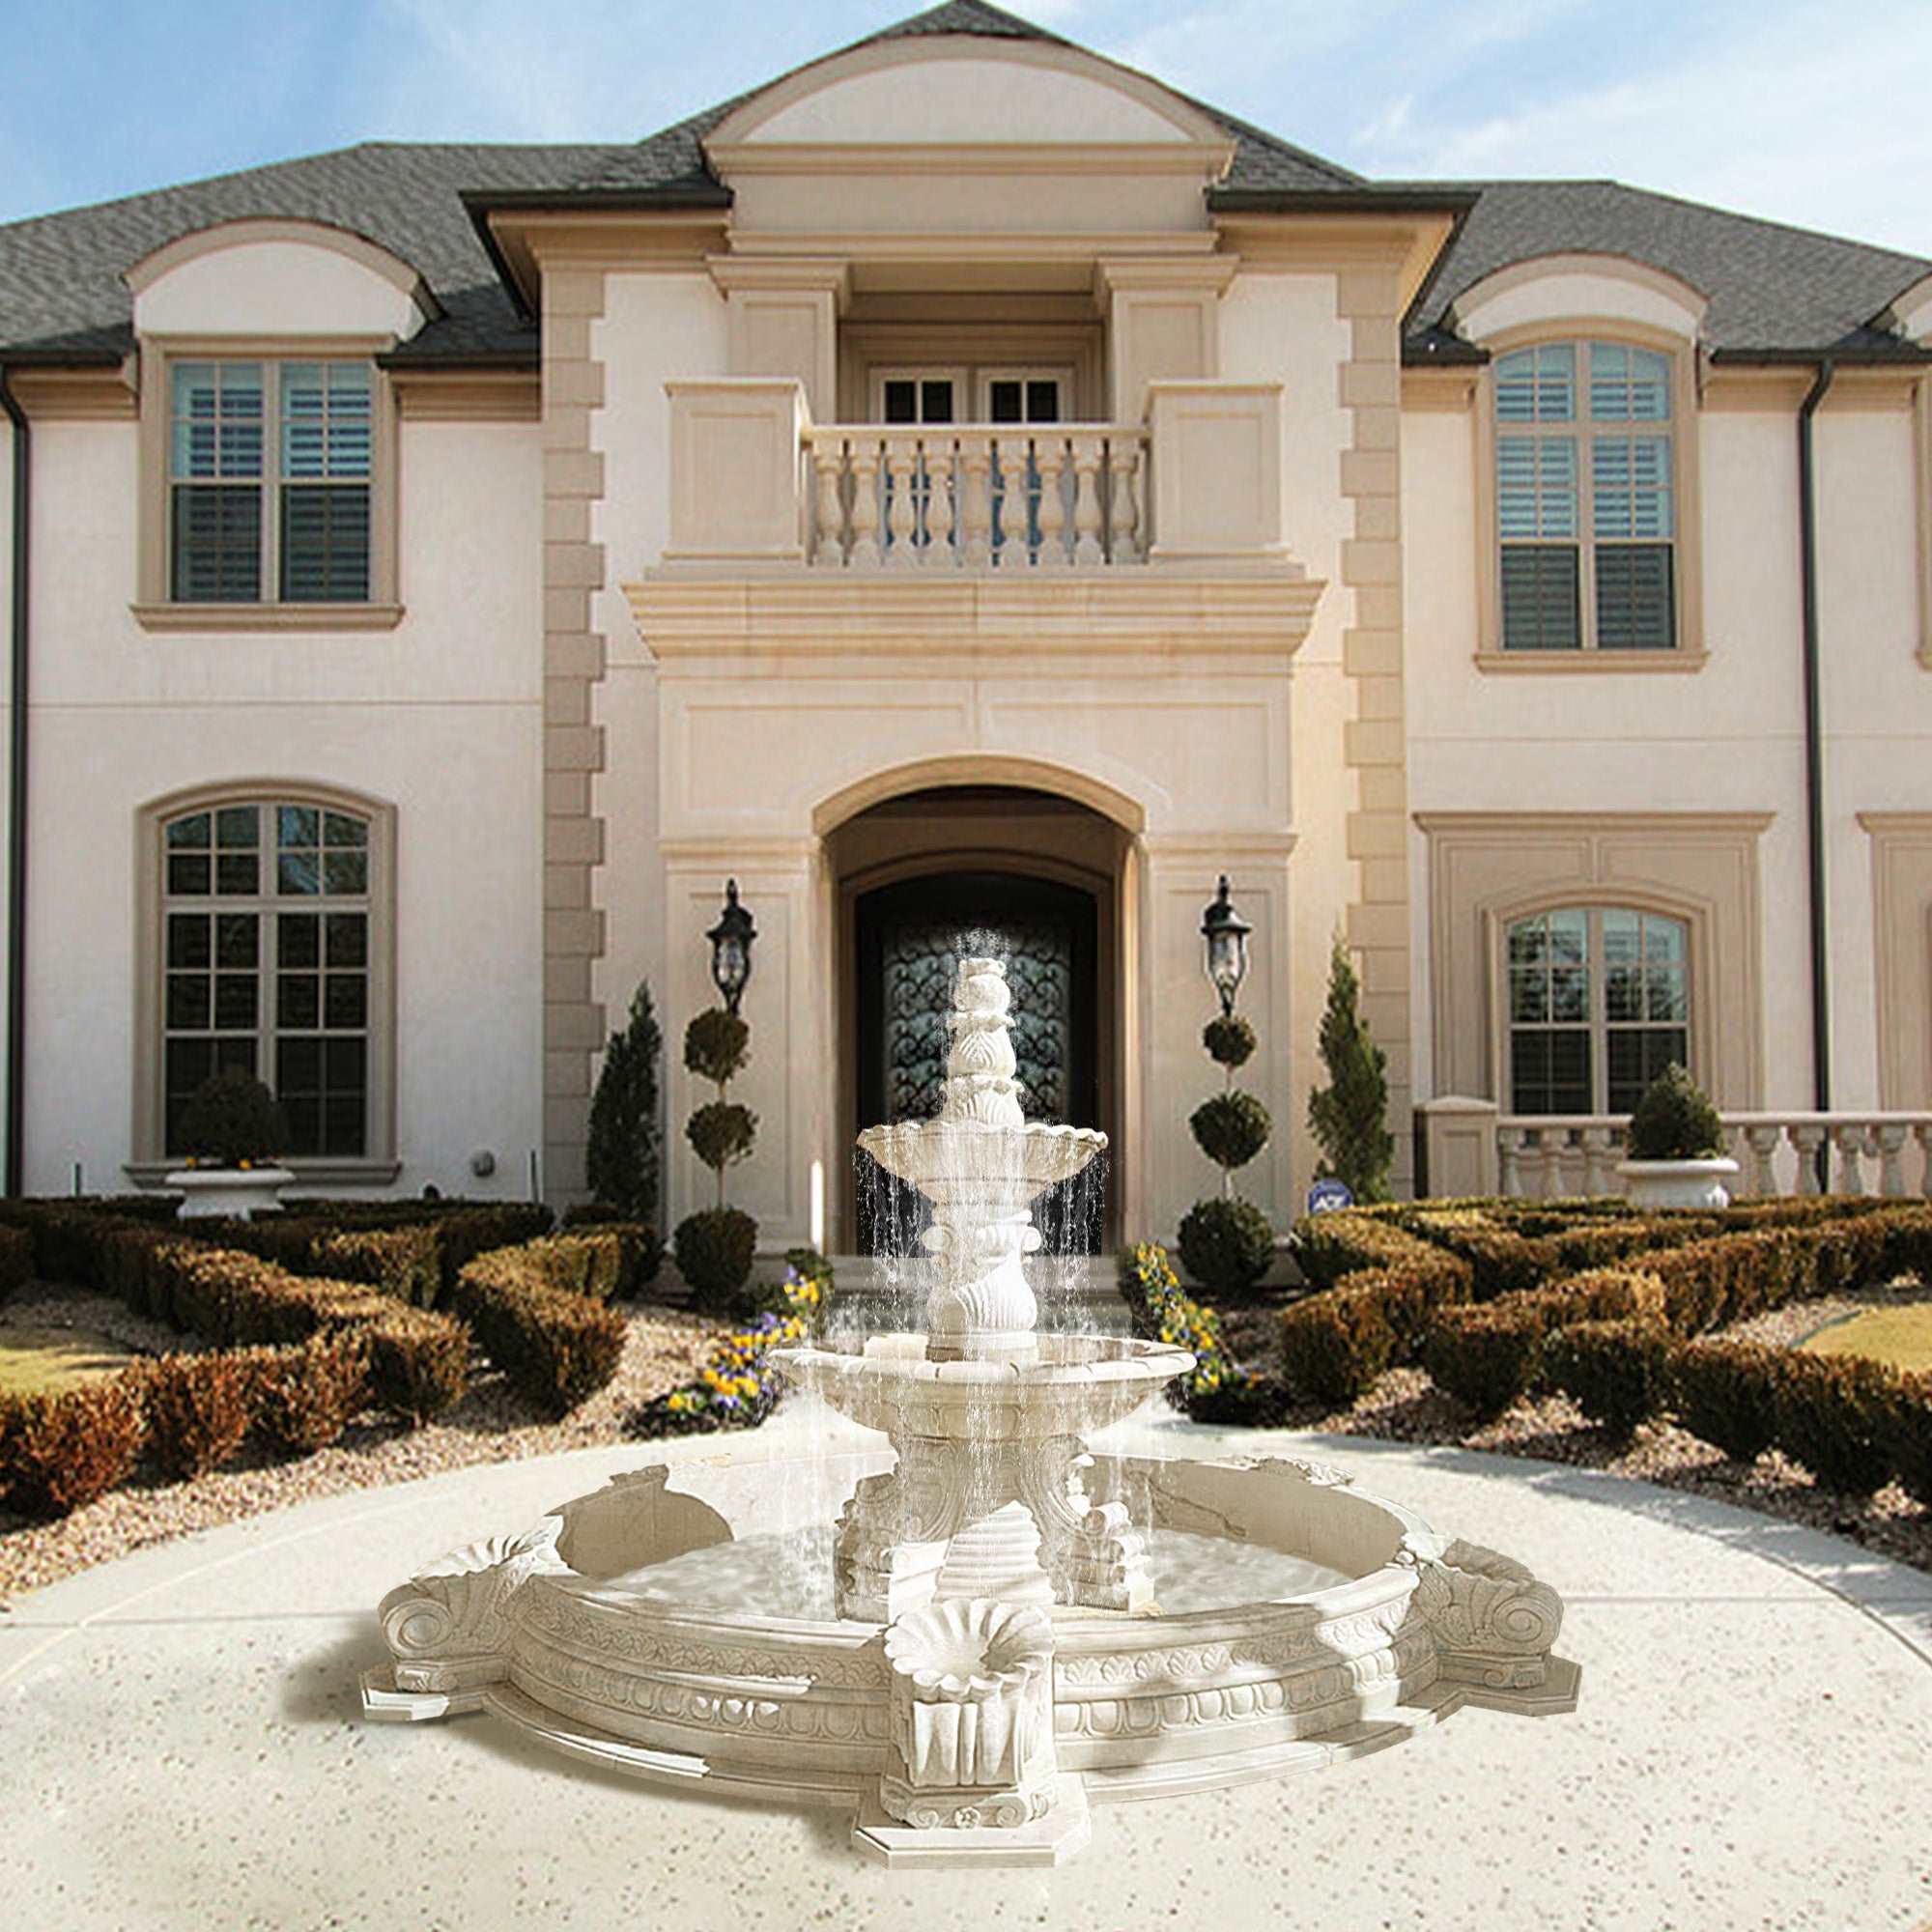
{"type": "Point", "coordinates": [1231, 1128]}
{"type": "Point", "coordinates": [1226, 1245]}
{"type": "Point", "coordinates": [717, 1044]}
{"type": "Point", "coordinates": [713, 1249]}
{"type": "Point", "coordinates": [721, 1133]}
{"type": "Point", "coordinates": [1674, 1120]}
{"type": "Point", "coordinates": [232, 1118]}
{"type": "Point", "coordinates": [1229, 1039]}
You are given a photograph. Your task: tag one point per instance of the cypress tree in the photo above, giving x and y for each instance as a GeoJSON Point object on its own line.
{"type": "Point", "coordinates": [625, 1159]}
{"type": "Point", "coordinates": [1348, 1116]}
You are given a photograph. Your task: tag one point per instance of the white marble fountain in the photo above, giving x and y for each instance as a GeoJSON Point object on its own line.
{"type": "Point", "coordinates": [1015, 1626]}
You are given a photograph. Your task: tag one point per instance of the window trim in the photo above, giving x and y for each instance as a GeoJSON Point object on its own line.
{"type": "Point", "coordinates": [380, 1163]}
{"type": "Point", "coordinates": [1690, 653]}
{"type": "Point", "coordinates": [154, 609]}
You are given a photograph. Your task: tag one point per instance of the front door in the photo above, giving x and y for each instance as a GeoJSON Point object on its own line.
{"type": "Point", "coordinates": [910, 938]}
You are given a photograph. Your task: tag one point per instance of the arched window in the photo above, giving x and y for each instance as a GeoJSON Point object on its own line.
{"type": "Point", "coordinates": [1585, 498]}
{"type": "Point", "coordinates": [1599, 1000]}
{"type": "Point", "coordinates": [273, 951]}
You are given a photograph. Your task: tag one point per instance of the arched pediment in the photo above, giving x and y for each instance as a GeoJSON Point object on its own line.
{"type": "Point", "coordinates": [276, 277]}
{"type": "Point", "coordinates": [967, 90]}
{"type": "Point", "coordinates": [1558, 291]}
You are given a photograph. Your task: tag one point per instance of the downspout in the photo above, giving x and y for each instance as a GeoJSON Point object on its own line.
{"type": "Point", "coordinates": [16, 799]}
{"type": "Point", "coordinates": [1814, 751]}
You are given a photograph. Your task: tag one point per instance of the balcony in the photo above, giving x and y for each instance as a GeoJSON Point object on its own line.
{"type": "Point", "coordinates": [757, 486]}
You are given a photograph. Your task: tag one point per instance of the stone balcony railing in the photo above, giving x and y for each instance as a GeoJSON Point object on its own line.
{"type": "Point", "coordinates": [756, 484]}
{"type": "Point", "coordinates": [1475, 1150]}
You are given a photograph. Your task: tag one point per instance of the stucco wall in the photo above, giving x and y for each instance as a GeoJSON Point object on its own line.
{"type": "Point", "coordinates": [438, 717]}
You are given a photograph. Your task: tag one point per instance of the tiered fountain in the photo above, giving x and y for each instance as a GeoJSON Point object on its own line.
{"type": "Point", "coordinates": [993, 1656]}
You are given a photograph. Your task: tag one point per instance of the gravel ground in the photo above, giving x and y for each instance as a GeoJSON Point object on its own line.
{"type": "Point", "coordinates": [1406, 1406]}
{"type": "Point", "coordinates": [491, 1424]}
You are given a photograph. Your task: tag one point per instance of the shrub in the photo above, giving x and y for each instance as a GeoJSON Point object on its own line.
{"type": "Point", "coordinates": [555, 1346]}
{"type": "Point", "coordinates": [1618, 1372]}
{"type": "Point", "coordinates": [1226, 1244]}
{"type": "Point", "coordinates": [1725, 1393]}
{"type": "Point", "coordinates": [17, 1260]}
{"type": "Point", "coordinates": [624, 1161]}
{"type": "Point", "coordinates": [717, 1044]}
{"type": "Point", "coordinates": [1328, 1247]}
{"type": "Point", "coordinates": [232, 1120]}
{"type": "Point", "coordinates": [418, 1361]}
{"type": "Point", "coordinates": [1501, 1260]}
{"type": "Point", "coordinates": [1832, 1415]}
{"type": "Point", "coordinates": [1231, 1128]}
{"type": "Point", "coordinates": [1906, 1426]}
{"type": "Point", "coordinates": [1229, 1040]}
{"type": "Point", "coordinates": [714, 1247]}
{"type": "Point", "coordinates": [1348, 1116]}
{"type": "Point", "coordinates": [59, 1451]}
{"type": "Point", "coordinates": [198, 1409]}
{"type": "Point", "coordinates": [308, 1395]}
{"type": "Point", "coordinates": [405, 1262]}
{"type": "Point", "coordinates": [1335, 1345]}
{"type": "Point", "coordinates": [721, 1133]}
{"type": "Point", "coordinates": [1674, 1120]}
{"type": "Point", "coordinates": [1486, 1357]}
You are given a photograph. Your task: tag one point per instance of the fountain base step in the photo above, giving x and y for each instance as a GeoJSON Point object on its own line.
{"type": "Point", "coordinates": [1050, 1840]}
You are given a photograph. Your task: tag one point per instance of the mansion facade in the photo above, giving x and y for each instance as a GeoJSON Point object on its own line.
{"type": "Point", "coordinates": [436, 570]}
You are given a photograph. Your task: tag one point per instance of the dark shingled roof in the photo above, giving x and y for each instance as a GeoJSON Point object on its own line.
{"type": "Point", "coordinates": [1771, 289]}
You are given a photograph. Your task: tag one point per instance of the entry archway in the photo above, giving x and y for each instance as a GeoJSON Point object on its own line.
{"type": "Point", "coordinates": [1037, 877]}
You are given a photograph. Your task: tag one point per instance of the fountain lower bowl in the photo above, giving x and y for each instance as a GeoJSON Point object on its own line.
{"type": "Point", "coordinates": [1064, 1386]}
{"type": "Point", "coordinates": [553, 1632]}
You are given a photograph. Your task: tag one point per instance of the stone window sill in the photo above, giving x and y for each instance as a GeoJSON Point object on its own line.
{"type": "Point", "coordinates": [323, 1171]}
{"type": "Point", "coordinates": [1591, 661]}
{"type": "Point", "coordinates": [268, 616]}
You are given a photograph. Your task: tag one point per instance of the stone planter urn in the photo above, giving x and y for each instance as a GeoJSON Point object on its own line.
{"type": "Point", "coordinates": [235, 1193]}
{"type": "Point", "coordinates": [1678, 1184]}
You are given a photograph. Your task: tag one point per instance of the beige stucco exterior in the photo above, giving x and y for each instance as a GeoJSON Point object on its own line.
{"type": "Point", "coordinates": [610, 664]}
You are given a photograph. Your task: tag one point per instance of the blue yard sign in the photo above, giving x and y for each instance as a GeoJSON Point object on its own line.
{"type": "Point", "coordinates": [1326, 1196]}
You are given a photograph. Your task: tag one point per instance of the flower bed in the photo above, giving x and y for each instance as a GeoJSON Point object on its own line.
{"type": "Point", "coordinates": [735, 1388]}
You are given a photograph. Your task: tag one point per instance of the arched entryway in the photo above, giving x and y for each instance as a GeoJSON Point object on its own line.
{"type": "Point", "coordinates": [1033, 876]}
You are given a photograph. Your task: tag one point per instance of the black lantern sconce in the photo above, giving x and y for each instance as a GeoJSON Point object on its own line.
{"type": "Point", "coordinates": [731, 949]}
{"type": "Point", "coordinates": [1226, 933]}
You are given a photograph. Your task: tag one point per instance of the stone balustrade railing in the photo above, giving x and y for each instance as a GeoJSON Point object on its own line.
{"type": "Point", "coordinates": [983, 495]}
{"type": "Point", "coordinates": [755, 483]}
{"type": "Point", "coordinates": [1475, 1150]}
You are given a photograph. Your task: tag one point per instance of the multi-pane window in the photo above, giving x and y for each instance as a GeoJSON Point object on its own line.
{"type": "Point", "coordinates": [266, 911]}
{"type": "Point", "coordinates": [1585, 498]}
{"type": "Point", "coordinates": [269, 476]}
{"type": "Point", "coordinates": [1599, 1004]}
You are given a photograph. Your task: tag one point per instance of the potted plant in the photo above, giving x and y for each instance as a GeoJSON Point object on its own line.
{"type": "Point", "coordinates": [1674, 1146]}
{"type": "Point", "coordinates": [233, 1131]}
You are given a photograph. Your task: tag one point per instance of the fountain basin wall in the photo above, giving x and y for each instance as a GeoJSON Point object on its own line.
{"type": "Point", "coordinates": [573, 1652]}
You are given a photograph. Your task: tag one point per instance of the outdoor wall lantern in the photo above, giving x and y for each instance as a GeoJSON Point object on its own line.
{"type": "Point", "coordinates": [1226, 932]}
{"type": "Point", "coordinates": [731, 948]}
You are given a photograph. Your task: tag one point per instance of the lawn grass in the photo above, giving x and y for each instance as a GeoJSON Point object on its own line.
{"type": "Point", "coordinates": [43, 1360]}
{"type": "Point", "coordinates": [1901, 1336]}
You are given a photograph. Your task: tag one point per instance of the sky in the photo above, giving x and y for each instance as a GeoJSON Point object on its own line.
{"type": "Point", "coordinates": [1814, 114]}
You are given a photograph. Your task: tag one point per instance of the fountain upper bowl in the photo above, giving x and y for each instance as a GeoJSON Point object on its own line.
{"type": "Point", "coordinates": [975, 1154]}
{"type": "Point", "coordinates": [1065, 1386]}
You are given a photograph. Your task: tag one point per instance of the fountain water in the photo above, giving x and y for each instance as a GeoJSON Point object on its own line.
{"type": "Point", "coordinates": [994, 1657]}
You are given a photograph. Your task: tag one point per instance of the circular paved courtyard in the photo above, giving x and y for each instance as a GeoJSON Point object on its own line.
{"type": "Point", "coordinates": [183, 1747]}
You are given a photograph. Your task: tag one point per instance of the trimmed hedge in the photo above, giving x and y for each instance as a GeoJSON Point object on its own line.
{"type": "Point", "coordinates": [1490, 1356]}
{"type": "Point", "coordinates": [1725, 1393]}
{"type": "Point", "coordinates": [305, 1396]}
{"type": "Point", "coordinates": [17, 1260]}
{"type": "Point", "coordinates": [557, 1345]}
{"type": "Point", "coordinates": [1832, 1415]}
{"type": "Point", "coordinates": [1617, 1372]}
{"type": "Point", "coordinates": [418, 1359]}
{"type": "Point", "coordinates": [59, 1451]}
{"type": "Point", "coordinates": [198, 1409]}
